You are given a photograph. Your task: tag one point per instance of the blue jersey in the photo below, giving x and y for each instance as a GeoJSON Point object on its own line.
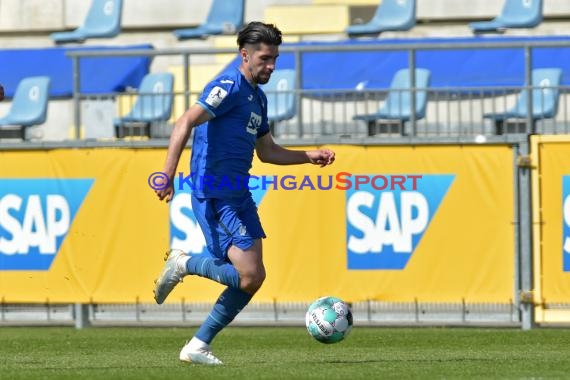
{"type": "Point", "coordinates": [222, 150]}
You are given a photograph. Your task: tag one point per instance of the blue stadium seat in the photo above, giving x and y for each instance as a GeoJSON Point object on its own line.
{"type": "Point", "coordinates": [103, 21]}
{"type": "Point", "coordinates": [280, 91]}
{"type": "Point", "coordinates": [153, 104]}
{"type": "Point", "coordinates": [545, 99]}
{"type": "Point", "coordinates": [29, 105]}
{"type": "Point", "coordinates": [397, 106]}
{"type": "Point", "coordinates": [391, 15]}
{"type": "Point", "coordinates": [515, 14]}
{"type": "Point", "coordinates": [224, 17]}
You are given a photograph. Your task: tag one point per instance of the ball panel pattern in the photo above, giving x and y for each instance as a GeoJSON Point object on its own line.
{"type": "Point", "coordinates": [329, 320]}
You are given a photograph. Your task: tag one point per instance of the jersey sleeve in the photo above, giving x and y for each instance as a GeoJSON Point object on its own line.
{"type": "Point", "coordinates": [264, 128]}
{"type": "Point", "coordinates": [219, 96]}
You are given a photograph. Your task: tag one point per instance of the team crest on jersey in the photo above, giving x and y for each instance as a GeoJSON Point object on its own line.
{"type": "Point", "coordinates": [254, 123]}
{"type": "Point", "coordinates": [215, 97]}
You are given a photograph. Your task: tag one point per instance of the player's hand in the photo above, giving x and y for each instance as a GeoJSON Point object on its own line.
{"type": "Point", "coordinates": [321, 157]}
{"type": "Point", "coordinates": [165, 194]}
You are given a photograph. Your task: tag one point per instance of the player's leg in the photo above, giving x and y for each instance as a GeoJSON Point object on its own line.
{"type": "Point", "coordinates": [230, 228]}
{"type": "Point", "coordinates": [244, 270]}
{"type": "Point", "coordinates": [249, 263]}
{"type": "Point", "coordinates": [238, 273]}
{"type": "Point", "coordinates": [238, 234]}
{"type": "Point", "coordinates": [214, 266]}
{"type": "Point", "coordinates": [230, 303]}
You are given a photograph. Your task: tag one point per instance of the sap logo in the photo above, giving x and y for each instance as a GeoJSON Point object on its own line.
{"type": "Point", "coordinates": [385, 227]}
{"type": "Point", "coordinates": [185, 232]}
{"type": "Point", "coordinates": [566, 223]}
{"type": "Point", "coordinates": [254, 123]}
{"type": "Point", "coordinates": [35, 217]}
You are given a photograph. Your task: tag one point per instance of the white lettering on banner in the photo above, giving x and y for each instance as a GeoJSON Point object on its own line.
{"type": "Point", "coordinates": [566, 216]}
{"type": "Point", "coordinates": [389, 227]}
{"type": "Point", "coordinates": [194, 241]}
{"type": "Point", "coordinates": [38, 228]}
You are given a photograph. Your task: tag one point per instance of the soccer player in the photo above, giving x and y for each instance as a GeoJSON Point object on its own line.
{"type": "Point", "coordinates": [230, 121]}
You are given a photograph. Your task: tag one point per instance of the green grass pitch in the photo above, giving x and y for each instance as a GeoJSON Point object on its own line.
{"type": "Point", "coordinates": [285, 353]}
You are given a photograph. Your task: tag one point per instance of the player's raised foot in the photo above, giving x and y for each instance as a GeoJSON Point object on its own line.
{"type": "Point", "coordinates": [172, 273]}
{"type": "Point", "coordinates": [202, 355]}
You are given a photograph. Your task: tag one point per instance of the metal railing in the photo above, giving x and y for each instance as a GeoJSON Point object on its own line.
{"type": "Point", "coordinates": [276, 313]}
{"type": "Point", "coordinates": [452, 112]}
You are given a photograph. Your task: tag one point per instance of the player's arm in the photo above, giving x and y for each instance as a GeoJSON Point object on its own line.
{"type": "Point", "coordinates": [270, 152]}
{"type": "Point", "coordinates": [193, 117]}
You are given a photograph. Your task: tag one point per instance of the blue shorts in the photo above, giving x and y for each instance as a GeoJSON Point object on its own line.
{"type": "Point", "coordinates": [227, 222]}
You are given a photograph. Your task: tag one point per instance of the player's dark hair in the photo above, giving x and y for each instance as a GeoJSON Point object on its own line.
{"type": "Point", "coordinates": [256, 32]}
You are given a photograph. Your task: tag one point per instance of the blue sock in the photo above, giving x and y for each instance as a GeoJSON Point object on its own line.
{"type": "Point", "coordinates": [230, 303]}
{"type": "Point", "coordinates": [214, 269]}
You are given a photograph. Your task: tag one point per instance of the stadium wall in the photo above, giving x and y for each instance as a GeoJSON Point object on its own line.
{"type": "Point", "coordinates": [24, 16]}
{"type": "Point", "coordinates": [53, 15]}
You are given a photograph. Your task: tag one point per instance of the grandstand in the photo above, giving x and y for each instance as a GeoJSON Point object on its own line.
{"type": "Point", "coordinates": [97, 81]}
{"type": "Point", "coordinates": [301, 21]}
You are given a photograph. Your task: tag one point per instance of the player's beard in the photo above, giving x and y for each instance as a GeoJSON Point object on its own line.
{"type": "Point", "coordinates": [263, 78]}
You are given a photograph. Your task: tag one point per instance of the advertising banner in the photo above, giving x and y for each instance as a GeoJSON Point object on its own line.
{"type": "Point", "coordinates": [551, 221]}
{"type": "Point", "coordinates": [385, 223]}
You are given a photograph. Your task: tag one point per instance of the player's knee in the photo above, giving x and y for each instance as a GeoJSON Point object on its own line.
{"type": "Point", "coordinates": [251, 283]}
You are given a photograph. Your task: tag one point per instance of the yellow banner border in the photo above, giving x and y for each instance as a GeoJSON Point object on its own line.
{"type": "Point", "coordinates": [541, 313]}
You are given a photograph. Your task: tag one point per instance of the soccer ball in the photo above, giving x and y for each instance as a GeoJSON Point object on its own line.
{"type": "Point", "coordinates": [329, 320]}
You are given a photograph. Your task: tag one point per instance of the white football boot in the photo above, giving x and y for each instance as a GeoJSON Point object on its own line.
{"type": "Point", "coordinates": [173, 273]}
{"type": "Point", "coordinates": [198, 355]}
